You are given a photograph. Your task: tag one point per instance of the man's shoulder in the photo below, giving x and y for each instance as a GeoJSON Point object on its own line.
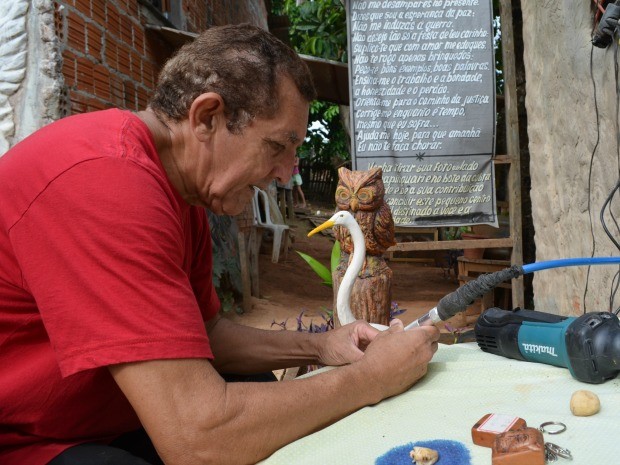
{"type": "Point", "coordinates": [96, 140]}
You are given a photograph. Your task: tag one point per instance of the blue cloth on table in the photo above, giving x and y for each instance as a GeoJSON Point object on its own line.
{"type": "Point", "coordinates": [450, 453]}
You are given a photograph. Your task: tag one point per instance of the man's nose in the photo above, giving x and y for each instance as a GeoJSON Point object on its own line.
{"type": "Point", "coordinates": [284, 172]}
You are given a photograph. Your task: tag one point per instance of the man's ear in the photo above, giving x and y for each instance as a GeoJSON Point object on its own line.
{"type": "Point", "coordinates": [205, 114]}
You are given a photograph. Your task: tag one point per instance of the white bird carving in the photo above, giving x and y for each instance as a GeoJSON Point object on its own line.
{"type": "Point", "coordinates": [343, 306]}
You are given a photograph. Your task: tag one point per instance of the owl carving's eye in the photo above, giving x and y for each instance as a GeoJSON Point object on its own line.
{"type": "Point", "coordinates": [365, 195]}
{"type": "Point", "coordinates": [343, 194]}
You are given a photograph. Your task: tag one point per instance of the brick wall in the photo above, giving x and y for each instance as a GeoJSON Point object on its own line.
{"type": "Point", "coordinates": [235, 12]}
{"type": "Point", "coordinates": [108, 57]}
{"type": "Point", "coordinates": [196, 15]}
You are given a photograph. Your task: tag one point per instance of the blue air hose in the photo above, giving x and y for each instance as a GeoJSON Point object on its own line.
{"type": "Point", "coordinates": [561, 263]}
{"type": "Point", "coordinates": [457, 301]}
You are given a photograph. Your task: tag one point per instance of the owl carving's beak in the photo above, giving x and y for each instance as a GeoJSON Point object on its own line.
{"type": "Point", "coordinates": [354, 204]}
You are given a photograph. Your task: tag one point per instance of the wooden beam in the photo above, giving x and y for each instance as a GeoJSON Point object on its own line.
{"type": "Point", "coordinates": [502, 159]}
{"type": "Point", "coordinates": [512, 144]}
{"type": "Point", "coordinates": [450, 245]}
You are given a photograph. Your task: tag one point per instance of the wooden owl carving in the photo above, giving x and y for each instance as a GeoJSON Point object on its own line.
{"type": "Point", "coordinates": [362, 193]}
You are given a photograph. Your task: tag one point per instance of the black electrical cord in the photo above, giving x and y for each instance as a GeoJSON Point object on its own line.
{"type": "Point", "coordinates": [602, 215]}
{"type": "Point", "coordinates": [616, 279]}
{"type": "Point", "coordinates": [590, 169]}
{"type": "Point", "coordinates": [615, 282]}
{"type": "Point", "coordinates": [614, 288]}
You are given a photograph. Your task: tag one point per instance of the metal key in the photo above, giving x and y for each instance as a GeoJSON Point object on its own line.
{"type": "Point", "coordinates": [553, 451]}
{"type": "Point", "coordinates": [550, 456]}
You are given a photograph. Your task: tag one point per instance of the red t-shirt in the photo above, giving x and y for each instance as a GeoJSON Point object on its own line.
{"type": "Point", "coordinates": [102, 262]}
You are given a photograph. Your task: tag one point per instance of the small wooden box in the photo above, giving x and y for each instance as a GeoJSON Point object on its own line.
{"type": "Point", "coordinates": [484, 432]}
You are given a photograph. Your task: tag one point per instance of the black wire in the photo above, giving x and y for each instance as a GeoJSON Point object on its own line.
{"type": "Point", "coordinates": [615, 282]}
{"type": "Point", "coordinates": [602, 215]}
{"type": "Point", "coordinates": [598, 139]}
{"type": "Point", "coordinates": [614, 287]}
{"type": "Point", "coordinates": [614, 290]}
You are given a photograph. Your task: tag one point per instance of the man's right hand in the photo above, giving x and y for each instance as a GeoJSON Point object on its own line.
{"type": "Point", "coordinates": [396, 359]}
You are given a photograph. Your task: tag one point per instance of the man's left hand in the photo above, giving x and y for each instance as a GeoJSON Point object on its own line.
{"type": "Point", "coordinates": [345, 344]}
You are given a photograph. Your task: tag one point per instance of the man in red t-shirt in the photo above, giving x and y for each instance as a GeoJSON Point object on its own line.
{"type": "Point", "coordinates": [108, 316]}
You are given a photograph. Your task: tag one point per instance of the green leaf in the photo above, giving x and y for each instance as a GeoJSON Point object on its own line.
{"type": "Point", "coordinates": [320, 269]}
{"type": "Point", "coordinates": [335, 258]}
{"type": "Point", "coordinates": [319, 29]}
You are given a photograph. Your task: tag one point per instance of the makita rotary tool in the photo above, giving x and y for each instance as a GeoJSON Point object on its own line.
{"type": "Point", "coordinates": [457, 301]}
{"type": "Point", "coordinates": [589, 345]}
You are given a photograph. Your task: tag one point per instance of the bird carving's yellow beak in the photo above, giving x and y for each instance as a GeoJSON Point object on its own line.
{"type": "Point", "coordinates": [327, 224]}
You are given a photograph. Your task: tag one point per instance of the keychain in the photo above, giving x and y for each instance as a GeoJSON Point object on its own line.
{"type": "Point", "coordinates": [553, 451]}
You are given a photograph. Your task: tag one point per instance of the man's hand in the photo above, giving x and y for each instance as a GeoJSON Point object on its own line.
{"type": "Point", "coordinates": [348, 343]}
{"type": "Point", "coordinates": [345, 344]}
{"type": "Point", "coordinates": [396, 359]}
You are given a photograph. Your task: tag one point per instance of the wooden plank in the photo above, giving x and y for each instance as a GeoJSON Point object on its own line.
{"type": "Point", "coordinates": [512, 144]}
{"type": "Point", "coordinates": [450, 245]}
{"type": "Point", "coordinates": [464, 279]}
{"type": "Point", "coordinates": [417, 231]}
{"type": "Point", "coordinates": [479, 264]}
{"type": "Point", "coordinates": [427, 234]}
{"type": "Point", "coordinates": [502, 159]}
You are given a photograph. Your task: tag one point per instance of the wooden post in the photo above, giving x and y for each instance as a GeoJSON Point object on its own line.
{"type": "Point", "coordinates": [513, 147]}
{"type": "Point", "coordinates": [282, 201]}
{"type": "Point", "coordinates": [254, 246]}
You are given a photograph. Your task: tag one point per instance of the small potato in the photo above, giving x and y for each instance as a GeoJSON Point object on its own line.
{"type": "Point", "coordinates": [584, 403]}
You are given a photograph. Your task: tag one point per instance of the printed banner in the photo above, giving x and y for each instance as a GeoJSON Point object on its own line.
{"type": "Point", "coordinates": [422, 83]}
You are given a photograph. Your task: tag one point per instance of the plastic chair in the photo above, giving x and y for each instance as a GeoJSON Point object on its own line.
{"type": "Point", "coordinates": [262, 219]}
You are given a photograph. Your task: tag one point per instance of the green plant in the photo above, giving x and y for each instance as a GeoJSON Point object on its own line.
{"type": "Point", "coordinates": [454, 233]}
{"type": "Point", "coordinates": [328, 322]}
{"type": "Point", "coordinates": [321, 270]}
{"type": "Point", "coordinates": [318, 28]}
{"type": "Point", "coordinates": [326, 275]}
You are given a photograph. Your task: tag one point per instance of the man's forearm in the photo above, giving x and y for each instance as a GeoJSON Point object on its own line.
{"type": "Point", "coordinates": [194, 417]}
{"type": "Point", "coordinates": [291, 410]}
{"type": "Point", "coordinates": [242, 349]}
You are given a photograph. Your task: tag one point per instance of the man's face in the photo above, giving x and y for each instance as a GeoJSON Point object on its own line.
{"type": "Point", "coordinates": [264, 150]}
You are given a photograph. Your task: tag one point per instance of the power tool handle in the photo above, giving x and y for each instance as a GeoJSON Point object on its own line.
{"type": "Point", "coordinates": [497, 330]}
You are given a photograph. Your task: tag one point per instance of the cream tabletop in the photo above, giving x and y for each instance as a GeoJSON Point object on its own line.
{"type": "Point", "coordinates": [463, 384]}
